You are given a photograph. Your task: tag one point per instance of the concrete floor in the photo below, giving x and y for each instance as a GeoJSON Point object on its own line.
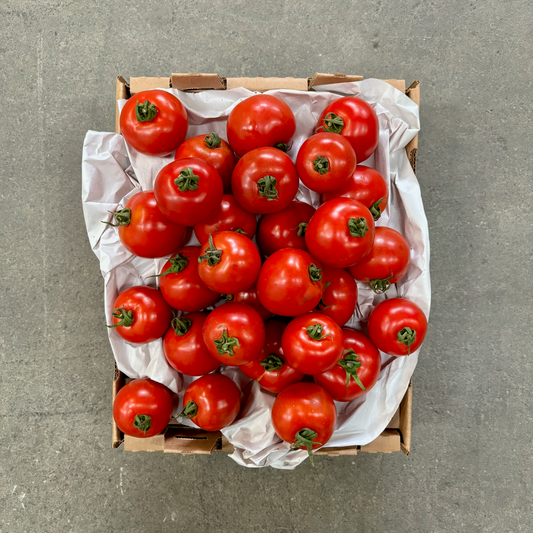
{"type": "Point", "coordinates": [471, 466]}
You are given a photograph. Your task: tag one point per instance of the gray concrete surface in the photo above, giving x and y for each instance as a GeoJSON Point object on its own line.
{"type": "Point", "coordinates": [471, 463]}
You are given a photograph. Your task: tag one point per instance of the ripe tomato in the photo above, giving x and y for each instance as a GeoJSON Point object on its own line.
{"type": "Point", "coordinates": [260, 120]}
{"type": "Point", "coordinates": [234, 334]}
{"type": "Point", "coordinates": [212, 402]}
{"type": "Point", "coordinates": [354, 119]}
{"type": "Point", "coordinates": [188, 191]}
{"type": "Point", "coordinates": [367, 186]}
{"type": "Point", "coordinates": [290, 282]}
{"type": "Point", "coordinates": [142, 408]}
{"type": "Point", "coordinates": [231, 262]}
{"type": "Point", "coordinates": [184, 346]}
{"type": "Point", "coordinates": [387, 262]}
{"type": "Point", "coordinates": [180, 283]}
{"type": "Point", "coordinates": [286, 228]}
{"type": "Point", "coordinates": [304, 415]}
{"type": "Point", "coordinates": [397, 326]}
{"type": "Point", "coordinates": [140, 314]}
{"type": "Point", "coordinates": [340, 233]}
{"type": "Point", "coordinates": [356, 373]}
{"type": "Point", "coordinates": [213, 150]}
{"type": "Point", "coordinates": [270, 369]}
{"type": "Point", "coordinates": [249, 296]}
{"type": "Point", "coordinates": [325, 162]}
{"type": "Point", "coordinates": [265, 181]}
{"type": "Point", "coordinates": [340, 295]}
{"type": "Point", "coordinates": [229, 217]}
{"type": "Point", "coordinates": [143, 230]}
{"type": "Point", "coordinates": [154, 122]}
{"type": "Point", "coordinates": [312, 343]}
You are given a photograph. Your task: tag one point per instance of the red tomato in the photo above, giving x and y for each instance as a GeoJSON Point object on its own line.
{"type": "Point", "coordinates": [270, 368]}
{"type": "Point", "coordinates": [340, 295]}
{"type": "Point", "coordinates": [286, 228]}
{"type": "Point", "coordinates": [312, 343]}
{"type": "Point", "coordinates": [188, 191]}
{"type": "Point", "coordinates": [387, 262]}
{"type": "Point", "coordinates": [354, 119]}
{"type": "Point", "coordinates": [180, 282]}
{"type": "Point", "coordinates": [142, 408]}
{"type": "Point", "coordinates": [230, 217]}
{"type": "Point", "coordinates": [234, 334]}
{"type": "Point", "coordinates": [212, 149]}
{"type": "Point", "coordinates": [249, 296]}
{"type": "Point", "coordinates": [231, 262]}
{"type": "Point", "coordinates": [140, 314]}
{"type": "Point", "coordinates": [340, 233]}
{"type": "Point", "coordinates": [184, 346]}
{"type": "Point", "coordinates": [154, 122]}
{"type": "Point", "coordinates": [367, 186]}
{"type": "Point", "coordinates": [304, 415]}
{"type": "Point", "coordinates": [143, 230]}
{"type": "Point", "coordinates": [212, 402]}
{"type": "Point", "coordinates": [397, 326]}
{"type": "Point", "coordinates": [356, 373]}
{"type": "Point", "coordinates": [265, 181]}
{"type": "Point", "coordinates": [325, 162]}
{"type": "Point", "coordinates": [260, 120]}
{"type": "Point", "coordinates": [290, 282]}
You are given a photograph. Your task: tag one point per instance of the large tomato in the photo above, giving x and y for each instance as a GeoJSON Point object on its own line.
{"type": "Point", "coordinates": [290, 282]}
{"type": "Point", "coordinates": [354, 119]}
{"type": "Point", "coordinates": [141, 314]}
{"type": "Point", "coordinates": [143, 230]}
{"type": "Point", "coordinates": [356, 373]}
{"type": "Point", "coordinates": [260, 120]}
{"type": "Point", "coordinates": [397, 326]}
{"type": "Point", "coordinates": [142, 408]}
{"type": "Point", "coordinates": [249, 296]}
{"type": "Point", "coordinates": [367, 186]}
{"type": "Point", "coordinates": [387, 262]}
{"type": "Point", "coordinates": [188, 191]}
{"type": "Point", "coordinates": [305, 415]}
{"type": "Point", "coordinates": [340, 295]}
{"type": "Point", "coordinates": [325, 162]}
{"type": "Point", "coordinates": [184, 346]}
{"type": "Point", "coordinates": [270, 369]}
{"type": "Point", "coordinates": [212, 402]}
{"type": "Point", "coordinates": [154, 122]}
{"type": "Point", "coordinates": [312, 343]}
{"type": "Point", "coordinates": [229, 217]}
{"type": "Point", "coordinates": [234, 334]}
{"type": "Point", "coordinates": [230, 264]}
{"type": "Point", "coordinates": [340, 233]}
{"type": "Point", "coordinates": [180, 282]}
{"type": "Point", "coordinates": [265, 181]}
{"type": "Point", "coordinates": [286, 228]}
{"type": "Point", "coordinates": [212, 149]}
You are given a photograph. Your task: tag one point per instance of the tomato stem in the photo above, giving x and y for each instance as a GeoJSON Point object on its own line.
{"type": "Point", "coordinates": [181, 325]}
{"type": "Point", "coordinates": [305, 439]}
{"type": "Point", "coordinates": [351, 364]}
{"type": "Point", "coordinates": [379, 286]}
{"type": "Point", "coordinates": [376, 210]}
{"type": "Point", "coordinates": [315, 332]}
{"type": "Point", "coordinates": [187, 180]}
{"type": "Point", "coordinates": [321, 164]}
{"type": "Point", "coordinates": [302, 228]}
{"type": "Point", "coordinates": [212, 255]}
{"type": "Point", "coordinates": [272, 362]}
{"type": "Point", "coordinates": [407, 336]}
{"type": "Point", "coordinates": [213, 140]}
{"type": "Point", "coordinates": [226, 344]}
{"type": "Point", "coordinates": [358, 227]}
{"type": "Point", "coordinates": [267, 187]}
{"type": "Point", "coordinates": [122, 218]}
{"type": "Point", "coordinates": [284, 147]}
{"type": "Point", "coordinates": [239, 230]}
{"type": "Point", "coordinates": [142, 423]}
{"type": "Point", "coordinates": [228, 297]}
{"type": "Point", "coordinates": [146, 111]}
{"type": "Point", "coordinates": [332, 123]}
{"type": "Point", "coordinates": [315, 273]}
{"type": "Point", "coordinates": [190, 410]}
{"type": "Point", "coordinates": [322, 303]}
{"type": "Point", "coordinates": [125, 317]}
{"type": "Point", "coordinates": [177, 264]}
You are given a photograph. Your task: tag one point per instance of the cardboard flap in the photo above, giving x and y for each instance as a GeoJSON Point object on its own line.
{"type": "Point", "coordinates": [328, 79]}
{"type": "Point", "coordinates": [150, 444]}
{"type": "Point", "coordinates": [195, 82]}
{"type": "Point", "coordinates": [406, 412]}
{"type": "Point", "coordinates": [336, 452]}
{"type": "Point", "coordinates": [118, 382]}
{"type": "Point", "coordinates": [121, 92]}
{"type": "Point", "coordinates": [186, 440]}
{"type": "Point", "coordinates": [387, 442]}
{"type": "Point", "coordinates": [145, 84]}
{"type": "Point", "coordinates": [267, 84]}
{"type": "Point", "coordinates": [413, 92]}
{"type": "Point", "coordinates": [395, 421]}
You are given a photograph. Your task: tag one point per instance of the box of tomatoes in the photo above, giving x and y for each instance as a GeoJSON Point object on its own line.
{"type": "Point", "coordinates": [265, 255]}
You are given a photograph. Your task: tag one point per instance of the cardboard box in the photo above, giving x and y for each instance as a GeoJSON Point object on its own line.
{"type": "Point", "coordinates": [186, 440]}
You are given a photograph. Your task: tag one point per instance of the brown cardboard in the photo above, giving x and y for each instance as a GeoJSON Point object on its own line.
{"type": "Point", "coordinates": [183, 440]}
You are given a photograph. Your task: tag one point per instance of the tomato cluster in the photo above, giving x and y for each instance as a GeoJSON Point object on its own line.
{"type": "Point", "coordinates": [275, 303]}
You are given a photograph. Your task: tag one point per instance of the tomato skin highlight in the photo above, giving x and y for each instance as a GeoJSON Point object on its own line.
{"type": "Point", "coordinates": [392, 317]}
{"type": "Point", "coordinates": [340, 296]}
{"type": "Point", "coordinates": [143, 398]}
{"type": "Point", "coordinates": [160, 136]}
{"type": "Point", "coordinates": [260, 120]}
{"type": "Point", "coordinates": [334, 379]}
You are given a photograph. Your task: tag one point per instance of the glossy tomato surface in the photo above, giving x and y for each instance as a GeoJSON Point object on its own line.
{"type": "Point", "coordinates": [340, 295]}
{"type": "Point", "coordinates": [250, 297]}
